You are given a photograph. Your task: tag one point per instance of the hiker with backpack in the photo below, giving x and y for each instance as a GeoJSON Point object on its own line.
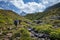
{"type": "Point", "coordinates": [16, 22]}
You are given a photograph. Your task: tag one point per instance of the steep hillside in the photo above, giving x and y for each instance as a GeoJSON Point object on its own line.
{"type": "Point", "coordinates": [35, 16]}
{"type": "Point", "coordinates": [50, 16]}
{"type": "Point", "coordinates": [8, 31]}
{"type": "Point", "coordinates": [53, 10]}
{"type": "Point", "coordinates": [53, 15]}
{"type": "Point", "coordinates": [53, 7]}
{"type": "Point", "coordinates": [7, 16]}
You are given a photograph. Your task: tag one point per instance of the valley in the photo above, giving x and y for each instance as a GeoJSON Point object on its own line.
{"type": "Point", "coordinates": [38, 26]}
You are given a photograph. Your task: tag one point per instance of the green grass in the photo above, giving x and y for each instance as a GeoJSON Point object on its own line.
{"type": "Point", "coordinates": [54, 33]}
{"type": "Point", "coordinates": [7, 18]}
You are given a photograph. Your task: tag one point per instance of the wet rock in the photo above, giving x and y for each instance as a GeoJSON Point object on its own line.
{"type": "Point", "coordinates": [29, 29]}
{"type": "Point", "coordinates": [34, 33]}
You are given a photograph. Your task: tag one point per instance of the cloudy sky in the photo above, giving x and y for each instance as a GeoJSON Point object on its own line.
{"type": "Point", "coordinates": [27, 6]}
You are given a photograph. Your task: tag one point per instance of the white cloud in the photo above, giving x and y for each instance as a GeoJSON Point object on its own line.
{"type": "Point", "coordinates": [31, 7]}
{"type": "Point", "coordinates": [45, 2]}
{"type": "Point", "coordinates": [52, 2]}
{"type": "Point", "coordinates": [1, 8]}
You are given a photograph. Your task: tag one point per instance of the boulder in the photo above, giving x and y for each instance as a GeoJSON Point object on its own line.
{"type": "Point", "coordinates": [9, 34]}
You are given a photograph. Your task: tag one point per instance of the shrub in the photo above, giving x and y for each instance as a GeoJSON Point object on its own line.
{"type": "Point", "coordinates": [2, 21]}
{"type": "Point", "coordinates": [55, 34]}
{"type": "Point", "coordinates": [44, 28]}
{"type": "Point", "coordinates": [25, 35]}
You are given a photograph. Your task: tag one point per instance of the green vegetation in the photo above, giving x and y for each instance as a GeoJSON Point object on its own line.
{"type": "Point", "coordinates": [50, 25]}
{"type": "Point", "coordinates": [7, 28]}
{"type": "Point", "coordinates": [51, 21]}
{"type": "Point", "coordinates": [54, 33]}
{"type": "Point", "coordinates": [35, 16]}
{"type": "Point", "coordinates": [51, 11]}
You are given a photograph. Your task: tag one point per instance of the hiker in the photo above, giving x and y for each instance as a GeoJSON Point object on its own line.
{"type": "Point", "coordinates": [19, 21]}
{"type": "Point", "coordinates": [16, 23]}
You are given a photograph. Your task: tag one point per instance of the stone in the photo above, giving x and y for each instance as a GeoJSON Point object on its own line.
{"type": "Point", "coordinates": [37, 21]}
{"type": "Point", "coordinates": [9, 34]}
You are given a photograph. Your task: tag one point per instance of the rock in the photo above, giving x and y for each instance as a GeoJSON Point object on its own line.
{"type": "Point", "coordinates": [10, 27]}
{"type": "Point", "coordinates": [29, 29]}
{"type": "Point", "coordinates": [9, 34]}
{"type": "Point", "coordinates": [36, 35]}
{"type": "Point", "coordinates": [17, 38]}
{"type": "Point", "coordinates": [35, 31]}
{"type": "Point", "coordinates": [58, 17]}
{"type": "Point", "coordinates": [37, 21]}
{"type": "Point", "coordinates": [32, 35]}
{"type": "Point", "coordinates": [6, 39]}
{"type": "Point", "coordinates": [42, 38]}
{"type": "Point", "coordinates": [27, 22]}
{"type": "Point", "coordinates": [0, 33]}
{"type": "Point", "coordinates": [55, 17]}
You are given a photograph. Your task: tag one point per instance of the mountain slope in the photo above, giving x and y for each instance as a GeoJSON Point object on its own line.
{"type": "Point", "coordinates": [53, 9]}
{"type": "Point", "coordinates": [8, 31]}
{"type": "Point", "coordinates": [7, 16]}
{"type": "Point", "coordinates": [50, 16]}
{"type": "Point", "coordinates": [34, 16]}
